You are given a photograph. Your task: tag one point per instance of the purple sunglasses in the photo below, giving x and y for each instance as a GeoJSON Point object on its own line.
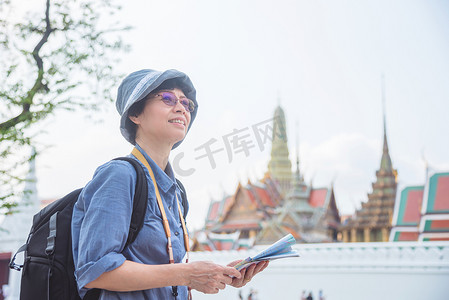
{"type": "Point", "coordinates": [170, 99]}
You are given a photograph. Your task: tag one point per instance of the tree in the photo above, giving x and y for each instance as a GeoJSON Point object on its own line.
{"type": "Point", "coordinates": [60, 58]}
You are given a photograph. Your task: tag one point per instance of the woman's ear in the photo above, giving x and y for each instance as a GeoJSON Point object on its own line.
{"type": "Point", "coordinates": [134, 119]}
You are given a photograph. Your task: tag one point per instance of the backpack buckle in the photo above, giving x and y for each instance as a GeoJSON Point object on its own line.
{"type": "Point", "coordinates": [12, 263]}
{"type": "Point", "coordinates": [51, 235]}
{"type": "Point", "coordinates": [14, 266]}
{"type": "Point", "coordinates": [50, 245]}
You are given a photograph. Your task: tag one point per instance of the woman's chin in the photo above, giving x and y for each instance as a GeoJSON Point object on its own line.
{"type": "Point", "coordinates": [177, 138]}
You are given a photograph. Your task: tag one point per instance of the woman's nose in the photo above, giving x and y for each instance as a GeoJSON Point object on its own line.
{"type": "Point", "coordinates": [179, 106]}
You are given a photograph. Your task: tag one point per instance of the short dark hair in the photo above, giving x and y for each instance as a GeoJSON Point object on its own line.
{"type": "Point", "coordinates": [137, 108]}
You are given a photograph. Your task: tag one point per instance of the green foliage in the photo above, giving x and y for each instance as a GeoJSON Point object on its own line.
{"type": "Point", "coordinates": [61, 56]}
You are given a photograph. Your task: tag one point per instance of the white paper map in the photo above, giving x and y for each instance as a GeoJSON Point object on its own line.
{"type": "Point", "coordinates": [280, 249]}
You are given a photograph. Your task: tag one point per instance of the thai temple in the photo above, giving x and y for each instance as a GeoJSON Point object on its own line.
{"type": "Point", "coordinates": [421, 213]}
{"type": "Point", "coordinates": [264, 211]}
{"type": "Point", "coordinates": [282, 202]}
{"type": "Point", "coordinates": [372, 223]}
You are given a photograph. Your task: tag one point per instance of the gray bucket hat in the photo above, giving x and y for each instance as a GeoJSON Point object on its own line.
{"type": "Point", "coordinates": [136, 86]}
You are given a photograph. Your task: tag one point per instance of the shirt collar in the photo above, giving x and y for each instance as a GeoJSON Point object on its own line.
{"type": "Point", "coordinates": [165, 180]}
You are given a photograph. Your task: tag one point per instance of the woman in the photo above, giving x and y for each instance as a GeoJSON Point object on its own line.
{"type": "Point", "coordinates": [157, 110]}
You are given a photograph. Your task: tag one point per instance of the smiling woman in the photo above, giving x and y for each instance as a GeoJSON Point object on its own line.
{"type": "Point", "coordinates": [161, 122]}
{"type": "Point", "coordinates": [171, 92]}
{"type": "Point", "coordinates": [157, 110]}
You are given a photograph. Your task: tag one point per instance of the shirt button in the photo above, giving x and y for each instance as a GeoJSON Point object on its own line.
{"type": "Point", "coordinates": [176, 233]}
{"type": "Point", "coordinates": [169, 207]}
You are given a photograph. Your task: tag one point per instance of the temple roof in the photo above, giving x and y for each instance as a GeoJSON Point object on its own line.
{"type": "Point", "coordinates": [217, 209]}
{"type": "Point", "coordinates": [422, 212]}
{"type": "Point", "coordinates": [436, 198]}
{"type": "Point", "coordinates": [378, 211]}
{"type": "Point", "coordinates": [245, 209]}
{"type": "Point", "coordinates": [408, 206]}
{"type": "Point", "coordinates": [434, 223]}
{"type": "Point", "coordinates": [318, 197]}
{"type": "Point", "coordinates": [280, 203]}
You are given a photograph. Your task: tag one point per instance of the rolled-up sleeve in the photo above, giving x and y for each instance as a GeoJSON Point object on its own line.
{"type": "Point", "coordinates": [100, 223]}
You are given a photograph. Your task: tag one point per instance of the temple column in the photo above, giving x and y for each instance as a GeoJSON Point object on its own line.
{"type": "Point", "coordinates": [385, 234]}
{"type": "Point", "coordinates": [366, 235]}
{"type": "Point", "coordinates": [252, 234]}
{"type": "Point", "coordinates": [353, 235]}
{"type": "Point", "coordinates": [345, 236]}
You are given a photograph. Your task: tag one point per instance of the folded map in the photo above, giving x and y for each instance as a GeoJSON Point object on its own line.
{"type": "Point", "coordinates": [280, 249]}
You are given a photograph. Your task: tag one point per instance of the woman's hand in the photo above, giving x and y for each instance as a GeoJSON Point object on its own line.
{"type": "Point", "coordinates": [247, 273]}
{"type": "Point", "coordinates": [209, 278]}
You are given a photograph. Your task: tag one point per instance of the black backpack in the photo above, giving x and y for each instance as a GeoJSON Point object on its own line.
{"type": "Point", "coordinates": [48, 268]}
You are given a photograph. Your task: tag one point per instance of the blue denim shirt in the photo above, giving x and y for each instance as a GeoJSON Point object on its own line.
{"type": "Point", "coordinates": [100, 226]}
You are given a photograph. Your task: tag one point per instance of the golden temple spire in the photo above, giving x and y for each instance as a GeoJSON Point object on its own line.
{"type": "Point", "coordinates": [280, 166]}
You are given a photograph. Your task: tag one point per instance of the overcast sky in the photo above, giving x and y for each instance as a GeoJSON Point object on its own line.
{"type": "Point", "coordinates": [321, 60]}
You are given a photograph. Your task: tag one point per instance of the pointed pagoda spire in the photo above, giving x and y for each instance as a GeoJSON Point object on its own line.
{"type": "Point", "coordinates": [280, 166]}
{"type": "Point", "coordinates": [385, 162]}
{"type": "Point", "coordinates": [298, 196]}
{"type": "Point", "coordinates": [297, 177]}
{"type": "Point", "coordinates": [375, 216]}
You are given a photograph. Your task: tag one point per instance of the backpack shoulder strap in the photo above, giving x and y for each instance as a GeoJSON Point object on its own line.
{"type": "Point", "coordinates": [139, 201]}
{"type": "Point", "coordinates": [185, 202]}
{"type": "Point", "coordinates": [138, 216]}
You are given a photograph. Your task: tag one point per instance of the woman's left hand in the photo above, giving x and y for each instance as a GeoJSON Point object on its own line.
{"type": "Point", "coordinates": [247, 273]}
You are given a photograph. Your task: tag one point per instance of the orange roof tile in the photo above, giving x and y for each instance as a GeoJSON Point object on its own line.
{"type": "Point", "coordinates": [213, 211]}
{"type": "Point", "coordinates": [251, 196]}
{"type": "Point", "coordinates": [412, 213]}
{"type": "Point", "coordinates": [240, 226]}
{"type": "Point", "coordinates": [442, 194]}
{"type": "Point", "coordinates": [318, 197]}
{"type": "Point", "coordinates": [408, 236]}
{"type": "Point", "coordinates": [264, 196]}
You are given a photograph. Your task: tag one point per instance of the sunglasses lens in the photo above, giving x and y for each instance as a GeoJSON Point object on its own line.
{"type": "Point", "coordinates": [188, 104]}
{"type": "Point", "coordinates": [169, 98]}
{"type": "Point", "coordinates": [191, 106]}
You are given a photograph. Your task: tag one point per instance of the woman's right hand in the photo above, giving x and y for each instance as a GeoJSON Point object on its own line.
{"type": "Point", "coordinates": [209, 278]}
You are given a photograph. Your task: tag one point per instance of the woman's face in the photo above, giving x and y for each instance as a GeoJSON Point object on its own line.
{"type": "Point", "coordinates": [161, 122]}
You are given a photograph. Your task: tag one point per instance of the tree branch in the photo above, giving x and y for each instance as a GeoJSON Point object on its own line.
{"type": "Point", "coordinates": [38, 83]}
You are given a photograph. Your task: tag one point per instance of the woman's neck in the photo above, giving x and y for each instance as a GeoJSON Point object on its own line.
{"type": "Point", "coordinates": [159, 153]}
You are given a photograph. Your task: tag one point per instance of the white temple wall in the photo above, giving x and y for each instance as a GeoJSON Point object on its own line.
{"type": "Point", "coordinates": [343, 271]}
{"type": "Point", "coordinates": [348, 271]}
